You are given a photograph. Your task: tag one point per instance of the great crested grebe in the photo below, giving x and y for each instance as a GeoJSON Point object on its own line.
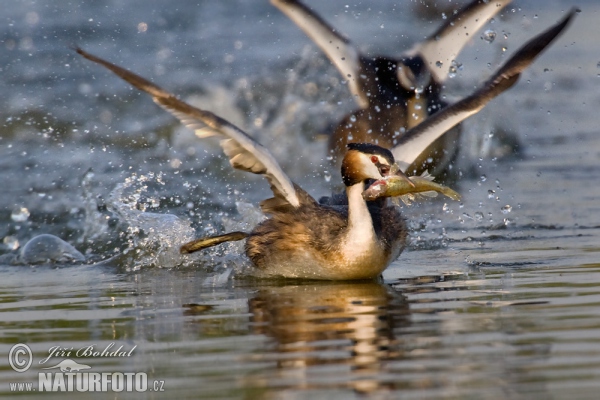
{"type": "Point", "coordinates": [303, 239]}
{"type": "Point", "coordinates": [395, 94]}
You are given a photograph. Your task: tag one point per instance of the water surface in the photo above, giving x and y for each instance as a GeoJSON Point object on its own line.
{"type": "Point", "coordinates": [496, 297]}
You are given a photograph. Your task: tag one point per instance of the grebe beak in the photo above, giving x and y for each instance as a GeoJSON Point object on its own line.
{"type": "Point", "coordinates": [395, 170]}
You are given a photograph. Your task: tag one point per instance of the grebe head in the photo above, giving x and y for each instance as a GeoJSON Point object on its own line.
{"type": "Point", "coordinates": [413, 74]}
{"type": "Point", "coordinates": [366, 161]}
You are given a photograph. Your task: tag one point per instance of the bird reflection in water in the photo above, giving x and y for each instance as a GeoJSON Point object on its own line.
{"type": "Point", "coordinates": [330, 334]}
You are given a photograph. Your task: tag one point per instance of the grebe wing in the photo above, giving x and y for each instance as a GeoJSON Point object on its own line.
{"type": "Point", "coordinates": [447, 42]}
{"type": "Point", "coordinates": [244, 152]}
{"type": "Point", "coordinates": [417, 139]}
{"type": "Point", "coordinates": [338, 48]}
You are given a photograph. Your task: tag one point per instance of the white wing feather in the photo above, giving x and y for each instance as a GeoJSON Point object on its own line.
{"type": "Point", "coordinates": [447, 42]}
{"type": "Point", "coordinates": [416, 140]}
{"type": "Point", "coordinates": [338, 49]}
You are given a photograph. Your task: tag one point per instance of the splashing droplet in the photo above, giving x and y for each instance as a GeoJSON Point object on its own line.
{"type": "Point", "coordinates": [506, 209]}
{"type": "Point", "coordinates": [489, 35]}
{"type": "Point", "coordinates": [11, 242]}
{"type": "Point", "coordinates": [454, 68]}
{"type": "Point", "coordinates": [19, 214]}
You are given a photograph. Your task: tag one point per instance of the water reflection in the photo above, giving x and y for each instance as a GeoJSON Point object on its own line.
{"type": "Point", "coordinates": [342, 331]}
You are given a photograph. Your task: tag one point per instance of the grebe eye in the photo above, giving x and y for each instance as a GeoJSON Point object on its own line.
{"type": "Point", "coordinates": [374, 159]}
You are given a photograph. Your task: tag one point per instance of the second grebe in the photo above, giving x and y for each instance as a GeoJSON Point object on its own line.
{"type": "Point", "coordinates": [396, 94]}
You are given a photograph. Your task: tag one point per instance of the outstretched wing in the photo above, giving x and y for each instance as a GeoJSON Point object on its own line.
{"type": "Point", "coordinates": [417, 139]}
{"type": "Point", "coordinates": [338, 49]}
{"type": "Point", "coordinates": [444, 45]}
{"type": "Point", "coordinates": [244, 152]}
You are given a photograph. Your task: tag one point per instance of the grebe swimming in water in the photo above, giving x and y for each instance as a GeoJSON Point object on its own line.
{"type": "Point", "coordinates": [304, 239]}
{"type": "Point", "coordinates": [395, 94]}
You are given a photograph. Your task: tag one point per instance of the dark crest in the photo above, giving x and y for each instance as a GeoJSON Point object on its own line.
{"type": "Point", "coordinates": [369, 148]}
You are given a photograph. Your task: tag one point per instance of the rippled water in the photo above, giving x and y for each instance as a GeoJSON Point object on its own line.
{"type": "Point", "coordinates": [497, 297]}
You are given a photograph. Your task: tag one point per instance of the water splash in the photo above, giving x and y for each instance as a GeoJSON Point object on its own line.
{"type": "Point", "coordinates": [153, 239]}
{"type": "Point", "coordinates": [95, 224]}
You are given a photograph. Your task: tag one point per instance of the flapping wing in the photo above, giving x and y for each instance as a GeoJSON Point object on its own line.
{"type": "Point", "coordinates": [417, 139]}
{"type": "Point", "coordinates": [244, 152]}
{"type": "Point", "coordinates": [338, 49]}
{"type": "Point", "coordinates": [445, 44]}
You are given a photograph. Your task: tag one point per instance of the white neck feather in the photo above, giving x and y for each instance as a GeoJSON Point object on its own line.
{"type": "Point", "coordinates": [361, 234]}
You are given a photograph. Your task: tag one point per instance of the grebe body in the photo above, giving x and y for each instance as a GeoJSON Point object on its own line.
{"type": "Point", "coordinates": [302, 238]}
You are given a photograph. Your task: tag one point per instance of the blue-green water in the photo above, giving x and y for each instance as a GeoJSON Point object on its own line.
{"type": "Point", "coordinates": [496, 297]}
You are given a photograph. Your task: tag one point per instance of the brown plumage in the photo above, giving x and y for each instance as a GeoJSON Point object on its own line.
{"type": "Point", "coordinates": [301, 239]}
{"type": "Point", "coordinates": [313, 231]}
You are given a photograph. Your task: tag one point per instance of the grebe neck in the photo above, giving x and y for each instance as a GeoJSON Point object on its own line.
{"type": "Point", "coordinates": [360, 224]}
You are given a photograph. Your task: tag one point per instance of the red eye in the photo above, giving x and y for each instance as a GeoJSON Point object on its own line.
{"type": "Point", "coordinates": [374, 159]}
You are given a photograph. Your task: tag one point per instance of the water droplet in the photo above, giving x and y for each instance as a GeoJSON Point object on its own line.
{"type": "Point", "coordinates": [491, 193]}
{"type": "Point", "coordinates": [489, 35]}
{"type": "Point", "coordinates": [19, 214]}
{"type": "Point", "coordinates": [11, 242]}
{"type": "Point", "coordinates": [506, 209]}
{"type": "Point", "coordinates": [483, 178]}
{"type": "Point", "coordinates": [439, 64]}
{"type": "Point", "coordinates": [327, 176]}
{"type": "Point", "coordinates": [454, 68]}
{"type": "Point", "coordinates": [478, 216]}
{"type": "Point", "coordinates": [451, 72]}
